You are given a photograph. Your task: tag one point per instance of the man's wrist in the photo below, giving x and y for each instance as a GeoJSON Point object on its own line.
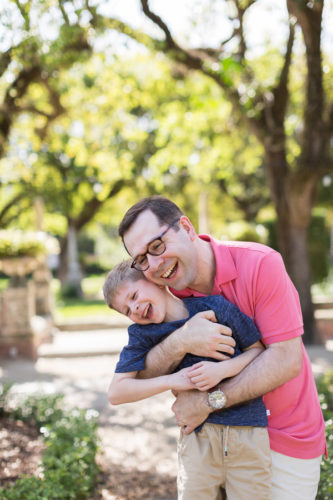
{"type": "Point", "coordinates": [216, 399]}
{"type": "Point", "coordinates": [206, 403]}
{"type": "Point", "coordinates": [180, 340]}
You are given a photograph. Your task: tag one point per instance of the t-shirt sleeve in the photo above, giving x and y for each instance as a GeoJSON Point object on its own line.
{"type": "Point", "coordinates": [243, 328]}
{"type": "Point", "coordinates": [278, 313]}
{"type": "Point", "coordinates": [132, 357]}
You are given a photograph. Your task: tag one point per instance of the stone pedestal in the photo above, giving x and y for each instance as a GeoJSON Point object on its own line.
{"type": "Point", "coordinates": [21, 329]}
{"type": "Point", "coordinates": [43, 295]}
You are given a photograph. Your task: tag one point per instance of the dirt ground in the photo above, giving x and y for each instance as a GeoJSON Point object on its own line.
{"type": "Point", "coordinates": [138, 440]}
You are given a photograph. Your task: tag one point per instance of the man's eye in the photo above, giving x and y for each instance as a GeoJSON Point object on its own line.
{"type": "Point", "coordinates": [133, 296]}
{"type": "Point", "coordinates": [142, 259]}
{"type": "Point", "coordinates": [155, 246]}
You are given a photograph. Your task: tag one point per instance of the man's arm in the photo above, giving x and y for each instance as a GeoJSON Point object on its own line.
{"type": "Point", "coordinates": [208, 374]}
{"type": "Point", "coordinates": [200, 335]}
{"type": "Point", "coordinates": [279, 363]}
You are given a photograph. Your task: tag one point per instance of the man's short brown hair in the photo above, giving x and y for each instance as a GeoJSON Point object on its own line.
{"type": "Point", "coordinates": [165, 210]}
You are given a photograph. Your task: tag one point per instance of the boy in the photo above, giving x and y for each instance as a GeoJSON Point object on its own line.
{"type": "Point", "coordinates": [243, 464]}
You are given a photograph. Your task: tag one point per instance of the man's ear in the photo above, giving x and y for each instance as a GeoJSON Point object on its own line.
{"type": "Point", "coordinates": [186, 224]}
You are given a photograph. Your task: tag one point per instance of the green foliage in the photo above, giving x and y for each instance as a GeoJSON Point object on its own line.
{"type": "Point", "coordinates": [325, 391]}
{"type": "Point", "coordinates": [318, 244]}
{"type": "Point", "coordinates": [69, 469]}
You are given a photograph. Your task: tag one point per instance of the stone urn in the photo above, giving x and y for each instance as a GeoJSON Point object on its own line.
{"type": "Point", "coordinates": [19, 334]}
{"type": "Point", "coordinates": [18, 268]}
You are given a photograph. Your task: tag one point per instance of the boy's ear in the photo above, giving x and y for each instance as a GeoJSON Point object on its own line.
{"type": "Point", "coordinates": [186, 224]}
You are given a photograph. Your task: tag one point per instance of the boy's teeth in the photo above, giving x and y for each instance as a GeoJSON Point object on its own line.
{"type": "Point", "coordinates": [145, 314]}
{"type": "Point", "coordinates": [168, 272]}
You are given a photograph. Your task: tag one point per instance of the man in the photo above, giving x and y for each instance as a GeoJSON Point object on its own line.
{"type": "Point", "coordinates": [166, 248]}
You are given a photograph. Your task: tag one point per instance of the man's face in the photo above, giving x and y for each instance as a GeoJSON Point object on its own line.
{"type": "Point", "coordinates": [142, 301]}
{"type": "Point", "coordinates": [176, 267]}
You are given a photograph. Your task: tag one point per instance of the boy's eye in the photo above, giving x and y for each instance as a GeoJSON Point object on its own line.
{"type": "Point", "coordinates": [133, 296]}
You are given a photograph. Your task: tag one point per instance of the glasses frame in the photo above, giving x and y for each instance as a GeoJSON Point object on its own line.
{"type": "Point", "coordinates": [134, 263]}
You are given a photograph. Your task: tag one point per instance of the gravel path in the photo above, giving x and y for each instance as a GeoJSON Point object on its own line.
{"type": "Point", "coordinates": [139, 438]}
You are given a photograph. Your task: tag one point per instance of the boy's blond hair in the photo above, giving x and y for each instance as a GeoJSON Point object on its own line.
{"type": "Point", "coordinates": [119, 275]}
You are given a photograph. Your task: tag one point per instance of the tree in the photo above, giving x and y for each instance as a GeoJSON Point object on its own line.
{"type": "Point", "coordinates": [263, 107]}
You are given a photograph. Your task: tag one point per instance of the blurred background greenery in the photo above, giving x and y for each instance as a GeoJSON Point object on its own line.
{"type": "Point", "coordinates": [225, 107]}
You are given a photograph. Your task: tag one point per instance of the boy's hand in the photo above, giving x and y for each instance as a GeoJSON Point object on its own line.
{"type": "Point", "coordinates": [180, 381]}
{"type": "Point", "coordinates": [206, 374]}
{"type": "Point", "coordinates": [203, 336]}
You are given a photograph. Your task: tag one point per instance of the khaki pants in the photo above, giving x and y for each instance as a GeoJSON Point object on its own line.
{"type": "Point", "coordinates": [294, 478]}
{"type": "Point", "coordinates": [236, 458]}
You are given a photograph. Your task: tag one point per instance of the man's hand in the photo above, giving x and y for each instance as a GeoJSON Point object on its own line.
{"type": "Point", "coordinates": [203, 336]}
{"type": "Point", "coordinates": [190, 409]}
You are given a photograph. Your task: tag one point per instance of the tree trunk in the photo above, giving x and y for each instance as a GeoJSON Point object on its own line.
{"type": "Point", "coordinates": [70, 273]}
{"type": "Point", "coordinates": [293, 196]}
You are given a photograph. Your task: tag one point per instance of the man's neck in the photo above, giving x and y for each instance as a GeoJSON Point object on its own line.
{"type": "Point", "coordinates": [204, 281]}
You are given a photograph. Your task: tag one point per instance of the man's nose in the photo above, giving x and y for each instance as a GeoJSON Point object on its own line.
{"type": "Point", "coordinates": [154, 261]}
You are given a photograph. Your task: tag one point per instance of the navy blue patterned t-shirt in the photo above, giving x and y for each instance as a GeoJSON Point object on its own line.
{"type": "Point", "coordinates": [142, 338]}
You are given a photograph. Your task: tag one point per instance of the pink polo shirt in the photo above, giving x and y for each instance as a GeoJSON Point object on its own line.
{"type": "Point", "coordinates": [253, 277]}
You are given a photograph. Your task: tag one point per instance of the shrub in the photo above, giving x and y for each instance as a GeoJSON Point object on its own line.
{"type": "Point", "coordinates": [69, 469]}
{"type": "Point", "coordinates": [16, 243]}
{"type": "Point", "coordinates": [325, 391]}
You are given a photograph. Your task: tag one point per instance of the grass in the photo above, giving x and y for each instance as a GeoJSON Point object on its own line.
{"type": "Point", "coordinates": [92, 305]}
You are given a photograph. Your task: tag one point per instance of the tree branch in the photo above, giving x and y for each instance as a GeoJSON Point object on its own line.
{"type": "Point", "coordinates": [275, 110]}
{"type": "Point", "coordinates": [63, 12]}
{"type": "Point", "coordinates": [92, 206]}
{"type": "Point", "coordinates": [239, 31]}
{"type": "Point", "coordinates": [5, 59]}
{"type": "Point", "coordinates": [171, 44]}
{"type": "Point", "coordinates": [10, 108]}
{"type": "Point", "coordinates": [24, 10]}
{"type": "Point", "coordinates": [5, 218]}
{"type": "Point", "coordinates": [309, 17]}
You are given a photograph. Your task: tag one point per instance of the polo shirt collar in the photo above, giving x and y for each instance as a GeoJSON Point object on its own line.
{"type": "Point", "coordinates": [225, 266]}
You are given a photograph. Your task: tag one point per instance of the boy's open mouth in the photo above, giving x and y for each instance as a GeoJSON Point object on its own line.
{"type": "Point", "coordinates": [147, 312]}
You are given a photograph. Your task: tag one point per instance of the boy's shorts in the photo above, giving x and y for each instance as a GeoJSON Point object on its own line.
{"type": "Point", "coordinates": [237, 459]}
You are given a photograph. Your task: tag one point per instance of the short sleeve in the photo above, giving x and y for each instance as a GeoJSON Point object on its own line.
{"type": "Point", "coordinates": [132, 357]}
{"type": "Point", "coordinates": [243, 328]}
{"type": "Point", "coordinates": [278, 313]}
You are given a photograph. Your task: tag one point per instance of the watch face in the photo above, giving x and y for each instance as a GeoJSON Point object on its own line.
{"type": "Point", "coordinates": [217, 399]}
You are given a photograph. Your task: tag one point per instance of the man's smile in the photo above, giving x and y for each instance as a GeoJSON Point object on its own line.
{"type": "Point", "coordinates": [170, 272]}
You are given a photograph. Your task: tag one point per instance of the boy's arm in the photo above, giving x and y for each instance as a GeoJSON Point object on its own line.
{"type": "Point", "coordinates": [201, 335]}
{"type": "Point", "coordinates": [126, 388]}
{"type": "Point", "coordinates": [207, 374]}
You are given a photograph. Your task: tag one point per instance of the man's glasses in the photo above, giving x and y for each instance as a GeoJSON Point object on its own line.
{"type": "Point", "coordinates": [156, 247]}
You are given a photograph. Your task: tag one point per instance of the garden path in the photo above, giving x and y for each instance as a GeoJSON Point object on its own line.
{"type": "Point", "coordinates": [138, 439]}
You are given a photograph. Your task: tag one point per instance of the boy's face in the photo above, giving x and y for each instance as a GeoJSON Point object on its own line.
{"type": "Point", "coordinates": [176, 266]}
{"type": "Point", "coordinates": [142, 301]}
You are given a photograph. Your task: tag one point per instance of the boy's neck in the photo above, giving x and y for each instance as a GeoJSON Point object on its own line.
{"type": "Point", "coordinates": [176, 309]}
